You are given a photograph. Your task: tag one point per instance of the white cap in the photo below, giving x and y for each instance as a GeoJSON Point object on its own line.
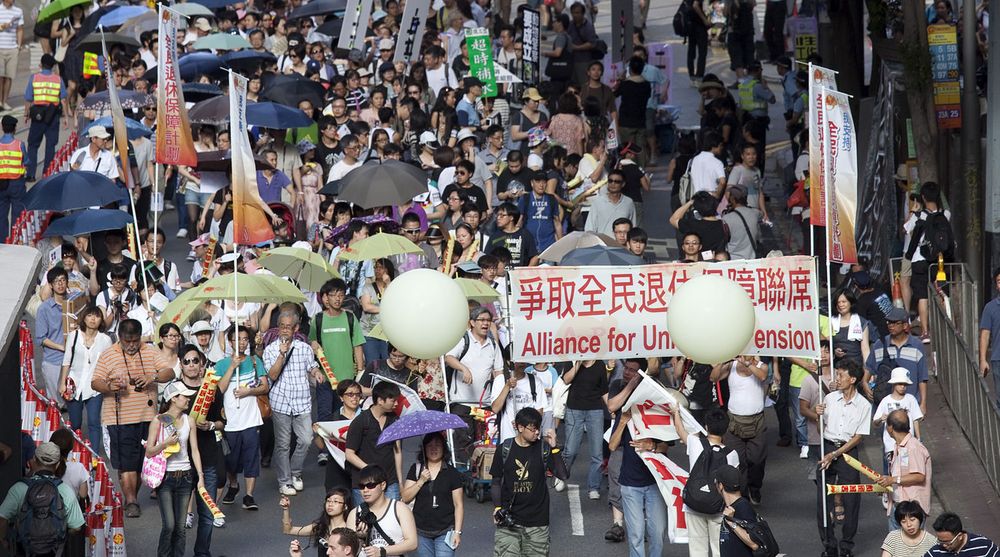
{"type": "Point", "coordinates": [175, 388]}
{"type": "Point", "coordinates": [428, 138]}
{"type": "Point", "coordinates": [200, 327]}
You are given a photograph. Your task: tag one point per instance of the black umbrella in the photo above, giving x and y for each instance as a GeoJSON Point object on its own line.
{"type": "Point", "coordinates": [378, 184]}
{"type": "Point", "coordinates": [93, 40]}
{"type": "Point", "coordinates": [221, 161]}
{"type": "Point", "coordinates": [331, 188]}
{"type": "Point", "coordinates": [331, 27]}
{"type": "Point", "coordinates": [197, 92]}
{"type": "Point", "coordinates": [599, 255]}
{"type": "Point", "coordinates": [289, 90]}
{"type": "Point", "coordinates": [214, 111]}
{"type": "Point", "coordinates": [318, 7]}
{"type": "Point", "coordinates": [248, 60]}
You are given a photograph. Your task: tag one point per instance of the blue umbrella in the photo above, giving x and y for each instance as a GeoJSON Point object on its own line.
{"type": "Point", "coordinates": [75, 189]}
{"type": "Point", "coordinates": [420, 423]}
{"type": "Point", "coordinates": [134, 128]}
{"type": "Point", "coordinates": [197, 92]}
{"type": "Point", "coordinates": [122, 14]}
{"type": "Point", "coordinates": [213, 4]}
{"type": "Point", "coordinates": [87, 221]}
{"type": "Point", "coordinates": [197, 63]}
{"type": "Point", "coordinates": [276, 116]}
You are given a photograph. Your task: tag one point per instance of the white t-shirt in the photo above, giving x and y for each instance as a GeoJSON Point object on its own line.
{"type": "Point", "coordinates": [482, 359]}
{"type": "Point", "coordinates": [84, 361]}
{"type": "Point", "coordinates": [341, 169]}
{"type": "Point", "coordinates": [889, 404]}
{"type": "Point", "coordinates": [75, 476]}
{"type": "Point", "coordinates": [241, 413]}
{"type": "Point", "coordinates": [706, 169]}
{"type": "Point", "coordinates": [518, 399]}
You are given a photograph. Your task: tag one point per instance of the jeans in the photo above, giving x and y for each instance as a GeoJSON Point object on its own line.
{"type": "Point", "coordinates": [801, 427]}
{"type": "Point", "coordinates": [172, 497]}
{"type": "Point", "coordinates": [327, 402]}
{"type": "Point", "coordinates": [203, 540]}
{"type": "Point", "coordinates": [375, 349]}
{"type": "Point", "coordinates": [182, 215]}
{"type": "Point", "coordinates": [433, 547]}
{"type": "Point", "coordinates": [36, 132]}
{"type": "Point", "coordinates": [391, 491]}
{"type": "Point", "coordinates": [93, 407]}
{"type": "Point", "coordinates": [697, 48]}
{"type": "Point", "coordinates": [644, 505]}
{"type": "Point", "coordinates": [593, 420]}
{"type": "Point", "coordinates": [286, 467]}
{"type": "Point", "coordinates": [11, 194]}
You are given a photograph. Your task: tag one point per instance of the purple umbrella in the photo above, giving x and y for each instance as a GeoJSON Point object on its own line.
{"type": "Point", "coordinates": [420, 423]}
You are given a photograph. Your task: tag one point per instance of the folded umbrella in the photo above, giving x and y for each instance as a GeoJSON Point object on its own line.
{"type": "Point", "coordinates": [75, 189]}
{"type": "Point", "coordinates": [318, 7]}
{"type": "Point", "coordinates": [222, 160]}
{"type": "Point", "coordinates": [221, 41]}
{"type": "Point", "coordinates": [197, 63]}
{"type": "Point", "coordinates": [289, 90]}
{"type": "Point", "coordinates": [599, 255]}
{"type": "Point", "coordinates": [276, 116]}
{"type": "Point", "coordinates": [378, 184]}
{"type": "Point", "coordinates": [121, 14]}
{"type": "Point", "coordinates": [134, 128]}
{"type": "Point", "coordinates": [420, 423]}
{"type": "Point", "coordinates": [87, 221]}
{"type": "Point", "coordinates": [573, 240]}
{"type": "Point", "coordinates": [378, 246]}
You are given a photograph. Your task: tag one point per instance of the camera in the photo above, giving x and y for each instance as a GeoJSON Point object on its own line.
{"type": "Point", "coordinates": [504, 518]}
{"type": "Point", "coordinates": [365, 515]}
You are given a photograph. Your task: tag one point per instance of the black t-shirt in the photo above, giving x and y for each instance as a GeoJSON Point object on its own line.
{"type": "Point", "coordinates": [868, 307]}
{"type": "Point", "coordinates": [635, 95]}
{"type": "Point", "coordinates": [588, 386]}
{"type": "Point", "coordinates": [712, 232]}
{"type": "Point", "coordinates": [362, 437]}
{"type": "Point", "coordinates": [523, 490]}
{"type": "Point", "coordinates": [383, 369]}
{"type": "Point", "coordinates": [698, 387]}
{"type": "Point", "coordinates": [634, 472]}
{"type": "Point", "coordinates": [730, 545]}
{"type": "Point", "coordinates": [633, 182]}
{"type": "Point", "coordinates": [327, 156]}
{"type": "Point", "coordinates": [475, 193]}
{"type": "Point", "coordinates": [520, 243]}
{"type": "Point", "coordinates": [432, 521]}
{"type": "Point", "coordinates": [218, 199]}
{"type": "Point", "coordinates": [506, 177]}
{"type": "Point", "coordinates": [208, 447]}
{"type": "Point", "coordinates": [104, 267]}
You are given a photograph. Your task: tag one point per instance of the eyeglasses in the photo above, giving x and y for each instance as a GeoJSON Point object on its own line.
{"type": "Point", "coordinates": [352, 394]}
{"type": "Point", "coordinates": [369, 485]}
{"type": "Point", "coordinates": [531, 428]}
{"type": "Point", "coordinates": [315, 51]}
{"type": "Point", "coordinates": [461, 173]}
{"type": "Point", "coordinates": [172, 335]}
{"type": "Point", "coordinates": [189, 361]}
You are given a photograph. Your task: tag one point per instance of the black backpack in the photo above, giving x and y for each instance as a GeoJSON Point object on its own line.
{"type": "Point", "coordinates": [937, 238]}
{"type": "Point", "coordinates": [700, 494]}
{"type": "Point", "coordinates": [40, 524]}
{"type": "Point", "coordinates": [761, 534]}
{"type": "Point", "coordinates": [682, 19]}
{"type": "Point", "coordinates": [883, 373]}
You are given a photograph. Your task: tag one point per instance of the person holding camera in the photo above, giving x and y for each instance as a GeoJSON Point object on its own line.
{"type": "Point", "coordinates": [385, 526]}
{"type": "Point", "coordinates": [519, 489]}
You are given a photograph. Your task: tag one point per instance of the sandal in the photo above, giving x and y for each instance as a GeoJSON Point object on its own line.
{"type": "Point", "coordinates": [132, 510]}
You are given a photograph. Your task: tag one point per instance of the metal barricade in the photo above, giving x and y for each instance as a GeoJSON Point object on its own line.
{"type": "Point", "coordinates": [953, 312]}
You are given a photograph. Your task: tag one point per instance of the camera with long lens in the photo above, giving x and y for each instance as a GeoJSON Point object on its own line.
{"type": "Point", "coordinates": [504, 518]}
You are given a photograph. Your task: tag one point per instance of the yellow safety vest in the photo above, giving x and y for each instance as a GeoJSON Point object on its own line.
{"type": "Point", "coordinates": [11, 160]}
{"type": "Point", "coordinates": [45, 89]}
{"type": "Point", "coordinates": [747, 101]}
{"type": "Point", "coordinates": [90, 67]}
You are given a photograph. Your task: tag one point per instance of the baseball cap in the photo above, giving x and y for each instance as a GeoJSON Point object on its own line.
{"type": "Point", "coordinates": [200, 327]}
{"type": "Point", "coordinates": [531, 93]}
{"type": "Point", "coordinates": [355, 56]}
{"type": "Point", "coordinates": [98, 132]}
{"type": "Point", "coordinates": [729, 477]}
{"type": "Point", "coordinates": [295, 39]}
{"type": "Point", "coordinates": [364, 72]}
{"type": "Point", "coordinates": [386, 44]}
{"type": "Point", "coordinates": [200, 240]}
{"type": "Point", "coordinates": [175, 388]}
{"type": "Point", "coordinates": [203, 24]}
{"type": "Point", "coordinates": [428, 138]}
{"type": "Point", "coordinates": [466, 134]}
{"type": "Point", "coordinates": [470, 267]}
{"type": "Point", "coordinates": [47, 454]}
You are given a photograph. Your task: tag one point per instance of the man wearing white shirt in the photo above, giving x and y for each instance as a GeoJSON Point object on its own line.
{"type": "Point", "coordinates": [352, 148]}
{"type": "Point", "coordinates": [96, 157]}
{"type": "Point", "coordinates": [439, 74]}
{"type": "Point", "coordinates": [707, 171]}
{"type": "Point", "coordinates": [476, 358]}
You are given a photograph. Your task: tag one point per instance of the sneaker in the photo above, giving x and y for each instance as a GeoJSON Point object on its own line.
{"type": "Point", "coordinates": [287, 490]}
{"type": "Point", "coordinates": [616, 534]}
{"type": "Point", "coordinates": [322, 458]}
{"type": "Point", "coordinates": [594, 495]}
{"type": "Point", "coordinates": [182, 233]}
{"type": "Point", "coordinates": [249, 504]}
{"type": "Point", "coordinates": [297, 483]}
{"type": "Point", "coordinates": [559, 485]}
{"type": "Point", "coordinates": [230, 497]}
{"type": "Point", "coordinates": [885, 501]}
{"type": "Point", "coordinates": [168, 206]}
{"type": "Point", "coordinates": [191, 256]}
{"type": "Point", "coordinates": [925, 339]}
{"type": "Point", "coordinates": [754, 496]}
{"type": "Point", "coordinates": [219, 522]}
{"type": "Point", "coordinates": [189, 521]}
{"type": "Point", "coordinates": [804, 452]}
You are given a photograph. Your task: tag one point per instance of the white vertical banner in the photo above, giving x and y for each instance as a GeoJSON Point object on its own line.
{"type": "Point", "coordinates": [841, 172]}
{"type": "Point", "coordinates": [411, 31]}
{"type": "Point", "coordinates": [819, 78]}
{"type": "Point", "coordinates": [355, 25]}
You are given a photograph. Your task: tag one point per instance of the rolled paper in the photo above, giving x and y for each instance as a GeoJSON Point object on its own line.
{"type": "Point", "coordinates": [449, 250]}
{"type": "Point", "coordinates": [207, 499]}
{"type": "Point", "coordinates": [205, 397]}
{"type": "Point", "coordinates": [326, 368]}
{"type": "Point", "coordinates": [130, 231]}
{"type": "Point", "coordinates": [206, 263]}
{"type": "Point", "coordinates": [833, 489]}
{"type": "Point", "coordinates": [593, 189]}
{"type": "Point", "coordinates": [866, 471]}
{"type": "Point", "coordinates": [473, 248]}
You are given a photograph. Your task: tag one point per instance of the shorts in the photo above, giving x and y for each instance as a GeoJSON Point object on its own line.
{"type": "Point", "coordinates": [905, 268]}
{"type": "Point", "coordinates": [126, 446]}
{"type": "Point", "coordinates": [8, 62]}
{"type": "Point", "coordinates": [918, 282]}
{"type": "Point", "coordinates": [244, 452]}
{"type": "Point", "coordinates": [196, 198]}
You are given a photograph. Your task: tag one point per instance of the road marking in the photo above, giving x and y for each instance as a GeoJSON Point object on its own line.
{"type": "Point", "coordinates": [575, 512]}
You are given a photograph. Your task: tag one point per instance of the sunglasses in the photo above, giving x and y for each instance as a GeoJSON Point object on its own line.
{"type": "Point", "coordinates": [369, 485]}
{"type": "Point", "coordinates": [189, 361]}
{"type": "Point", "coordinates": [411, 230]}
{"type": "Point", "coordinates": [616, 181]}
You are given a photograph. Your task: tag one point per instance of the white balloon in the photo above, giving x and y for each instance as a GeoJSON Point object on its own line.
{"type": "Point", "coordinates": [711, 319]}
{"type": "Point", "coordinates": [424, 313]}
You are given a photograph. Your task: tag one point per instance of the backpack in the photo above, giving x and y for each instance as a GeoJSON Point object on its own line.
{"type": "Point", "coordinates": [682, 19]}
{"type": "Point", "coordinates": [40, 524]}
{"type": "Point", "coordinates": [351, 318]}
{"type": "Point", "coordinates": [685, 192]}
{"type": "Point", "coordinates": [937, 238]}
{"type": "Point", "coordinates": [700, 494]}
{"type": "Point", "coordinates": [883, 373]}
{"type": "Point", "coordinates": [761, 534]}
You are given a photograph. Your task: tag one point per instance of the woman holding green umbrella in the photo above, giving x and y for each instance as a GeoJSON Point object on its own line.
{"type": "Point", "coordinates": [371, 297]}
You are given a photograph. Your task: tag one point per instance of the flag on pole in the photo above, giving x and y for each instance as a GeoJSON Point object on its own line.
{"type": "Point", "coordinates": [250, 223]}
{"type": "Point", "coordinates": [117, 117]}
{"type": "Point", "coordinates": [819, 77]}
{"type": "Point", "coordinates": [841, 172]}
{"type": "Point", "coordinates": [174, 144]}
{"type": "Point", "coordinates": [651, 417]}
{"type": "Point", "coordinates": [670, 480]}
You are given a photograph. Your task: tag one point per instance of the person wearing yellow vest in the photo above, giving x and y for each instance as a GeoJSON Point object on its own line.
{"type": "Point", "coordinates": [12, 154]}
{"type": "Point", "coordinates": [754, 95]}
{"type": "Point", "coordinates": [44, 103]}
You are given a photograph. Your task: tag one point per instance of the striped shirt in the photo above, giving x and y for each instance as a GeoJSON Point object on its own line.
{"type": "Point", "coordinates": [15, 18]}
{"type": "Point", "coordinates": [976, 546]}
{"type": "Point", "coordinates": [290, 391]}
{"type": "Point", "coordinates": [129, 407]}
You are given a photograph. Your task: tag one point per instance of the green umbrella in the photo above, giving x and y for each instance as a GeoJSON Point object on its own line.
{"type": "Point", "coordinates": [249, 288]}
{"type": "Point", "coordinates": [59, 9]}
{"type": "Point", "coordinates": [308, 269]}
{"type": "Point", "coordinates": [221, 41]}
{"type": "Point", "coordinates": [477, 290]}
{"type": "Point", "coordinates": [179, 310]}
{"type": "Point", "coordinates": [377, 246]}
